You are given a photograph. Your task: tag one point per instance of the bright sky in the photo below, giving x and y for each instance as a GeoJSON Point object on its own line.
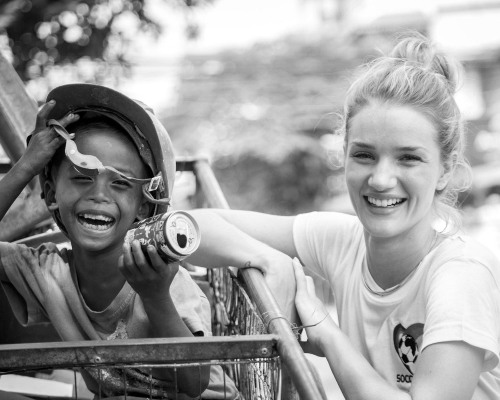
{"type": "Point", "coordinates": [240, 23]}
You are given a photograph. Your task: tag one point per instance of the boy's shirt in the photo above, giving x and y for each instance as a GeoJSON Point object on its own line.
{"type": "Point", "coordinates": [40, 286]}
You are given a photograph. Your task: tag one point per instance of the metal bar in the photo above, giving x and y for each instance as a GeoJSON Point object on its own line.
{"type": "Point", "coordinates": [209, 184]}
{"type": "Point", "coordinates": [133, 351]}
{"type": "Point", "coordinates": [288, 346]}
{"type": "Point", "coordinates": [36, 240]}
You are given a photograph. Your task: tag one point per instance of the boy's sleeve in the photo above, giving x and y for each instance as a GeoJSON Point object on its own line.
{"type": "Point", "coordinates": [191, 303]}
{"type": "Point", "coordinates": [16, 267]}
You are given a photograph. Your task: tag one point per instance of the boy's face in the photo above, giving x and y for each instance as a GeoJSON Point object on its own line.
{"type": "Point", "coordinates": [97, 211]}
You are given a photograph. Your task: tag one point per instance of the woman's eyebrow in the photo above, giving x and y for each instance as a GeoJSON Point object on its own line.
{"type": "Point", "coordinates": [363, 145]}
{"type": "Point", "coordinates": [369, 146]}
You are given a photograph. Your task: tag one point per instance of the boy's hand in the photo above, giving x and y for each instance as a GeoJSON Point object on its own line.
{"type": "Point", "coordinates": [44, 141]}
{"type": "Point", "coordinates": [151, 279]}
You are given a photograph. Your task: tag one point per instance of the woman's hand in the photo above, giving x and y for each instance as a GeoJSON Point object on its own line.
{"type": "Point", "coordinates": [44, 141]}
{"type": "Point", "coordinates": [278, 274]}
{"type": "Point", "coordinates": [312, 312]}
{"type": "Point", "coordinates": [149, 276]}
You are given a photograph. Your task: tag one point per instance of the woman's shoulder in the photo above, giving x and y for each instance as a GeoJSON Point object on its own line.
{"type": "Point", "coordinates": [466, 247]}
{"type": "Point", "coordinates": [329, 219]}
{"type": "Point", "coordinates": [463, 252]}
{"type": "Point", "coordinates": [322, 231]}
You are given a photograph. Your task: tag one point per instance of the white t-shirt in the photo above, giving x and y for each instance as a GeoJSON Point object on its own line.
{"type": "Point", "coordinates": [453, 295]}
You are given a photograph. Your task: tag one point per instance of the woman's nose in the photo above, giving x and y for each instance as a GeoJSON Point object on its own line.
{"type": "Point", "coordinates": [383, 177]}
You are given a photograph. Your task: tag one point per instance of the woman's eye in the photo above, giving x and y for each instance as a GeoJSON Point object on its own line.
{"type": "Point", "coordinates": [361, 155]}
{"type": "Point", "coordinates": [411, 157]}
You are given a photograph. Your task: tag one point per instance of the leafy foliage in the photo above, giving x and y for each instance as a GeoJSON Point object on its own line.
{"type": "Point", "coordinates": [45, 33]}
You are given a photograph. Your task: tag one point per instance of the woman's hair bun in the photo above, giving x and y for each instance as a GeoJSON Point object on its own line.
{"type": "Point", "coordinates": [416, 49]}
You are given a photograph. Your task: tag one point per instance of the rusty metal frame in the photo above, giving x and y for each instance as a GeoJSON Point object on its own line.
{"type": "Point", "coordinates": [32, 356]}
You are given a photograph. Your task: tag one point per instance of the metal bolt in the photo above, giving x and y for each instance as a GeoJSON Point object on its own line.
{"type": "Point", "coordinates": [265, 351]}
{"type": "Point", "coordinates": [97, 359]}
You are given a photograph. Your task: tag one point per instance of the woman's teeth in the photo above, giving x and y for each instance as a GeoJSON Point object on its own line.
{"type": "Point", "coordinates": [384, 202]}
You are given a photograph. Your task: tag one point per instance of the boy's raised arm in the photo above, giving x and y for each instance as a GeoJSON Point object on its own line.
{"type": "Point", "coordinates": [43, 144]}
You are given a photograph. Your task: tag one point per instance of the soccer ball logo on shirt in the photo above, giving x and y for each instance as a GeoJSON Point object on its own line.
{"type": "Point", "coordinates": [406, 343]}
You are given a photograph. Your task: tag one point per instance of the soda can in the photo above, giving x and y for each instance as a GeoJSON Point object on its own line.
{"type": "Point", "coordinates": [174, 234]}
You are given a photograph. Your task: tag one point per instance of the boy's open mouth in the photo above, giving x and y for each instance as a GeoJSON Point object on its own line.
{"type": "Point", "coordinates": [96, 221]}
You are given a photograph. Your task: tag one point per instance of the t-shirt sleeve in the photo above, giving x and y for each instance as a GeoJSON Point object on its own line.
{"type": "Point", "coordinates": [20, 267]}
{"type": "Point", "coordinates": [324, 237]}
{"type": "Point", "coordinates": [463, 304]}
{"type": "Point", "coordinates": [326, 243]}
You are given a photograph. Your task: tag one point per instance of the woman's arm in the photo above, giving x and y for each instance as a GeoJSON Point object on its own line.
{"type": "Point", "coordinates": [245, 239]}
{"type": "Point", "coordinates": [235, 237]}
{"type": "Point", "coordinates": [445, 371]}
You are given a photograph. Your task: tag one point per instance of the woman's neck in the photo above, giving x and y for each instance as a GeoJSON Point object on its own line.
{"type": "Point", "coordinates": [391, 260]}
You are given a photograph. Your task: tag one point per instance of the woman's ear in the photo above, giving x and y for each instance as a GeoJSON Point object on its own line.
{"type": "Point", "coordinates": [448, 167]}
{"type": "Point", "coordinates": [49, 193]}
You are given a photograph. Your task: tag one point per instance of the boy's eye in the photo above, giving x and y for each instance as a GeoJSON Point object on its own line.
{"type": "Point", "coordinates": [81, 178]}
{"type": "Point", "coordinates": [122, 183]}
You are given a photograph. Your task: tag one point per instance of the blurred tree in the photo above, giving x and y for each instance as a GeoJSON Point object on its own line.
{"type": "Point", "coordinates": [43, 33]}
{"type": "Point", "coordinates": [265, 116]}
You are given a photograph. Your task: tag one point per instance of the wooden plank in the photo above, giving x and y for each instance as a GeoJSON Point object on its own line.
{"type": "Point", "coordinates": [17, 119]}
{"type": "Point", "coordinates": [17, 111]}
{"type": "Point", "coordinates": [127, 352]}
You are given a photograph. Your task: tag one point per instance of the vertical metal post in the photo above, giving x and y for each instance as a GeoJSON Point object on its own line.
{"type": "Point", "coordinates": [289, 349]}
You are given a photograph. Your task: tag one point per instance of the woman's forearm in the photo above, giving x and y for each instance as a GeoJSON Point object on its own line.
{"type": "Point", "coordinates": [224, 244]}
{"type": "Point", "coordinates": [355, 376]}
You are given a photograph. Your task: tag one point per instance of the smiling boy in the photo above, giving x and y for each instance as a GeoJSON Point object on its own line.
{"type": "Point", "coordinates": [116, 168]}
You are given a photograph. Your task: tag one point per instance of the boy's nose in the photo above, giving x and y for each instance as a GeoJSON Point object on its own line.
{"type": "Point", "coordinates": [383, 177]}
{"type": "Point", "coordinates": [99, 191]}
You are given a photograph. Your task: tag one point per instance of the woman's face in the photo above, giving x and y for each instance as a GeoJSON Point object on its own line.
{"type": "Point", "coordinates": [393, 168]}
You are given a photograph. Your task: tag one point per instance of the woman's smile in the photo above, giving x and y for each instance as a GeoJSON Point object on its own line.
{"type": "Point", "coordinates": [384, 203]}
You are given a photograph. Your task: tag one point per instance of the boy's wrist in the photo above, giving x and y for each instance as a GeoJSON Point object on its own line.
{"type": "Point", "coordinates": [24, 170]}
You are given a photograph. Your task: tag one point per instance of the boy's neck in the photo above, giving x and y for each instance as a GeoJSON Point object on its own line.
{"type": "Point", "coordinates": [99, 279]}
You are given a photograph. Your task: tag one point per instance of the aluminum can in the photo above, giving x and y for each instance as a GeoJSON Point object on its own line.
{"type": "Point", "coordinates": [175, 234]}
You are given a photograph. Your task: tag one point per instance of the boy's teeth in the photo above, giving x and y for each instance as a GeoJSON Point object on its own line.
{"type": "Point", "coordinates": [384, 202]}
{"type": "Point", "coordinates": [96, 221]}
{"type": "Point", "coordinates": [96, 227]}
{"type": "Point", "coordinates": [97, 217]}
